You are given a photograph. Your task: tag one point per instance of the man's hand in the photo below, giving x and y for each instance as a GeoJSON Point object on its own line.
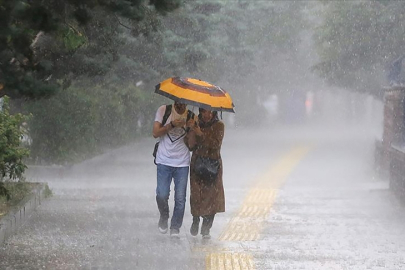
{"type": "Point", "coordinates": [178, 123]}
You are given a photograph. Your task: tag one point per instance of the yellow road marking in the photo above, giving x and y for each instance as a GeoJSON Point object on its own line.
{"type": "Point", "coordinates": [247, 224]}
{"type": "Point", "coordinates": [207, 249]}
{"type": "Point", "coordinates": [259, 201]}
{"type": "Point", "coordinates": [227, 261]}
{"type": "Point", "coordinates": [278, 173]}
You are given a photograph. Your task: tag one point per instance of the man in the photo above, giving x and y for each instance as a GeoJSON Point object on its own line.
{"type": "Point", "coordinates": [172, 161]}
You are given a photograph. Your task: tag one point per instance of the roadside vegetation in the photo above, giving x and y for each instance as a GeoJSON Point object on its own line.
{"type": "Point", "coordinates": [86, 72]}
{"type": "Point", "coordinates": [357, 41]}
{"type": "Point", "coordinates": [12, 155]}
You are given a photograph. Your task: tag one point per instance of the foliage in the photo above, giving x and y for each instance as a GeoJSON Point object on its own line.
{"type": "Point", "coordinates": [252, 36]}
{"type": "Point", "coordinates": [84, 120]}
{"type": "Point", "coordinates": [357, 40]}
{"type": "Point", "coordinates": [47, 192]}
{"type": "Point", "coordinates": [12, 153]}
{"type": "Point", "coordinates": [42, 43]}
{"type": "Point", "coordinates": [17, 190]}
{"type": "Point", "coordinates": [47, 46]}
{"type": "Point", "coordinates": [98, 52]}
{"type": "Point", "coordinates": [231, 43]}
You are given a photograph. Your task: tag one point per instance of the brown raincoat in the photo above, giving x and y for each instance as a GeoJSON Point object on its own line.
{"type": "Point", "coordinates": [207, 199]}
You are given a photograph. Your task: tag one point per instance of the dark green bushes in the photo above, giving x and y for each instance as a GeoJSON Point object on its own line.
{"type": "Point", "coordinates": [80, 122]}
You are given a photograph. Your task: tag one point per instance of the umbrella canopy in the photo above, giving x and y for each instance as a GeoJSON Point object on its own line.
{"type": "Point", "coordinates": [197, 93]}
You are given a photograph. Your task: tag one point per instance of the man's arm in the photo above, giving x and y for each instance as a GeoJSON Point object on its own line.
{"type": "Point", "coordinates": [159, 130]}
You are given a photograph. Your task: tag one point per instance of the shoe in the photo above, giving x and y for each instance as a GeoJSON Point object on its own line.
{"type": "Point", "coordinates": [205, 233]}
{"type": "Point", "coordinates": [163, 225]}
{"type": "Point", "coordinates": [194, 227]}
{"type": "Point", "coordinates": [174, 233]}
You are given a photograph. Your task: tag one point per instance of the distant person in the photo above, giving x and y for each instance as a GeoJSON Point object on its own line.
{"type": "Point", "coordinates": [206, 189]}
{"type": "Point", "coordinates": [394, 72]}
{"type": "Point", "coordinates": [172, 161]}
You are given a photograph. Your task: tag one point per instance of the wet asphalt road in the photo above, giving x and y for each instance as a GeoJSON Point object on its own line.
{"type": "Point", "coordinates": [296, 198]}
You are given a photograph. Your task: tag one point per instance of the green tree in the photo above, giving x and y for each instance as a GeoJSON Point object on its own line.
{"type": "Point", "coordinates": [357, 40]}
{"type": "Point", "coordinates": [40, 40]}
{"type": "Point", "coordinates": [12, 153]}
{"type": "Point", "coordinates": [100, 61]}
{"type": "Point", "coordinates": [258, 43]}
{"type": "Point", "coordinates": [46, 46]}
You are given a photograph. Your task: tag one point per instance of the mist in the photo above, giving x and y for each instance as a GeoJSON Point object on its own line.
{"type": "Point", "coordinates": [302, 187]}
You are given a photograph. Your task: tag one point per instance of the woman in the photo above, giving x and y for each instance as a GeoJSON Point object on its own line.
{"type": "Point", "coordinates": [207, 195]}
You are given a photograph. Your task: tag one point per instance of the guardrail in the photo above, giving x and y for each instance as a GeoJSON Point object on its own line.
{"type": "Point", "coordinates": [18, 215]}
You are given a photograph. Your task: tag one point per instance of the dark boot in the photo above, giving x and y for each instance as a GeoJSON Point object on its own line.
{"type": "Point", "coordinates": [195, 226]}
{"type": "Point", "coordinates": [206, 226]}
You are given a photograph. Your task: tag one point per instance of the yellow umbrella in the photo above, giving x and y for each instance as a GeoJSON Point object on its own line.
{"type": "Point", "coordinates": [196, 93]}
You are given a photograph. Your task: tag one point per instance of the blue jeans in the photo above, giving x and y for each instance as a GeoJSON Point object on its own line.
{"type": "Point", "coordinates": [165, 174]}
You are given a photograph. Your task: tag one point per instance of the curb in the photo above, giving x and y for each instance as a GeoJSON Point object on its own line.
{"type": "Point", "coordinates": [18, 215]}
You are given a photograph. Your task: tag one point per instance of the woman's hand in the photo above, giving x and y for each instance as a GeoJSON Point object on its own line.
{"type": "Point", "coordinates": [197, 130]}
{"type": "Point", "coordinates": [190, 123]}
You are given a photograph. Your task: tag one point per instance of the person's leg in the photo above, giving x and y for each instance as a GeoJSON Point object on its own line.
{"type": "Point", "coordinates": [164, 179]}
{"type": "Point", "coordinates": [180, 177]}
{"type": "Point", "coordinates": [195, 226]}
{"type": "Point", "coordinates": [206, 225]}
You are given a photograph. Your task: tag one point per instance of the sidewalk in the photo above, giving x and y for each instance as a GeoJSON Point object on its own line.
{"type": "Point", "coordinates": [324, 209]}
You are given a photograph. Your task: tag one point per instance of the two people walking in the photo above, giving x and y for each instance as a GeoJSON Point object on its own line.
{"type": "Point", "coordinates": [180, 134]}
